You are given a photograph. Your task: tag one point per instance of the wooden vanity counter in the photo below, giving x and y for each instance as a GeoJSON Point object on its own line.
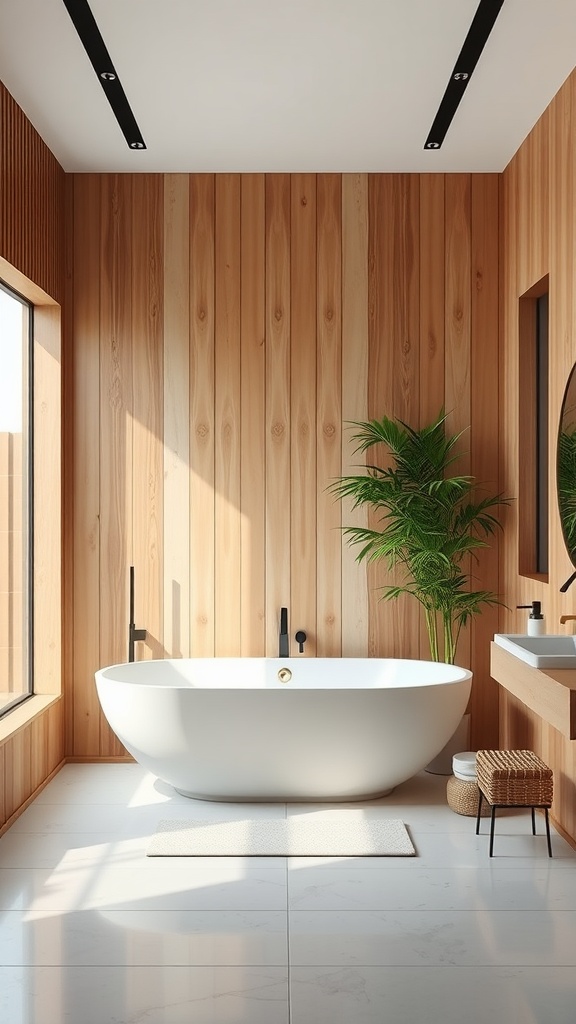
{"type": "Point", "coordinates": [549, 692]}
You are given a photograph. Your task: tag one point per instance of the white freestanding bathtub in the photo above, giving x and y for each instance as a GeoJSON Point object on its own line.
{"type": "Point", "coordinates": [283, 729]}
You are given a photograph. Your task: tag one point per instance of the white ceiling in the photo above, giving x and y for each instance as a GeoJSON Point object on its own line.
{"type": "Point", "coordinates": [285, 85]}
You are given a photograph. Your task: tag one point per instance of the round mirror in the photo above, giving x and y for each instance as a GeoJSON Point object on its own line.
{"type": "Point", "coordinates": [566, 466]}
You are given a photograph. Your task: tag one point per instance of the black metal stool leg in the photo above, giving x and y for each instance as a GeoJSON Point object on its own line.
{"type": "Point", "coordinates": [548, 832]}
{"type": "Point", "coordinates": [492, 818]}
{"type": "Point", "coordinates": [479, 810]}
{"type": "Point", "coordinates": [533, 822]}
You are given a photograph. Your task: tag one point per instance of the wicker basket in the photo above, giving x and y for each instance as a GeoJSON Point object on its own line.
{"type": "Point", "coordinates": [463, 797]}
{"type": "Point", "coordinates": [514, 778]}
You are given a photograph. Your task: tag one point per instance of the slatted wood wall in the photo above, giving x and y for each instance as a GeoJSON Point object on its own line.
{"type": "Point", "coordinates": [539, 238]}
{"type": "Point", "coordinates": [225, 330]}
{"type": "Point", "coordinates": [32, 187]}
{"type": "Point", "coordinates": [31, 201]}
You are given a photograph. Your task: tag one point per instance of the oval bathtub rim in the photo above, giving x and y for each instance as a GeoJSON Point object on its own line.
{"type": "Point", "coordinates": [463, 674]}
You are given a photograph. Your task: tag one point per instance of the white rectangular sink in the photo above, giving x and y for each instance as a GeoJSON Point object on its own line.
{"type": "Point", "coordinates": [552, 651]}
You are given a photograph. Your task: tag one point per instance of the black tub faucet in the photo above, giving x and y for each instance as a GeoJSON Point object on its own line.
{"type": "Point", "coordinates": [133, 633]}
{"type": "Point", "coordinates": [283, 639]}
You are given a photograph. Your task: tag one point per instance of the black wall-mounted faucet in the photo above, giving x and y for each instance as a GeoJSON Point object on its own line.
{"type": "Point", "coordinates": [300, 639]}
{"type": "Point", "coordinates": [568, 583]}
{"type": "Point", "coordinates": [133, 633]}
{"type": "Point", "coordinates": [283, 639]}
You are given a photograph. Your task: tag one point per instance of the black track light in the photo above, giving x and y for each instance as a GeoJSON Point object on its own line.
{"type": "Point", "coordinates": [92, 41]}
{"type": "Point", "coordinates": [480, 29]}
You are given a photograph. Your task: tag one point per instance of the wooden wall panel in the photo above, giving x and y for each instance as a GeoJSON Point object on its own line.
{"type": "Point", "coordinates": [432, 296]}
{"type": "Point", "coordinates": [32, 233]}
{"type": "Point", "coordinates": [559, 198]}
{"type": "Point", "coordinates": [303, 411]}
{"type": "Point", "coordinates": [176, 401]}
{"type": "Point", "coordinates": [278, 396]}
{"type": "Point", "coordinates": [458, 314]}
{"type": "Point", "coordinates": [115, 436]}
{"type": "Point", "coordinates": [227, 415]}
{"type": "Point", "coordinates": [383, 618]}
{"type": "Point", "coordinates": [68, 501]}
{"type": "Point", "coordinates": [55, 732]}
{"type": "Point", "coordinates": [508, 400]}
{"type": "Point", "coordinates": [485, 430]}
{"type": "Point", "coordinates": [18, 779]}
{"type": "Point", "coordinates": [202, 427]}
{"type": "Point", "coordinates": [38, 751]}
{"type": "Point", "coordinates": [329, 416]}
{"type": "Point", "coordinates": [432, 311]}
{"type": "Point", "coordinates": [253, 417]}
{"type": "Point", "coordinates": [85, 726]}
{"type": "Point", "coordinates": [354, 398]}
{"type": "Point", "coordinates": [538, 238]}
{"type": "Point", "coordinates": [28, 759]}
{"type": "Point", "coordinates": [260, 313]}
{"type": "Point", "coordinates": [394, 345]}
{"type": "Point", "coordinates": [458, 306]}
{"type": "Point", "coordinates": [147, 412]}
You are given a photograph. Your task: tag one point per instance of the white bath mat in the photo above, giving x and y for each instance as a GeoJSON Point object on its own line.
{"type": "Point", "coordinates": [282, 837]}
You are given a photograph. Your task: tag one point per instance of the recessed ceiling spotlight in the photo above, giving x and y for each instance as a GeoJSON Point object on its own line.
{"type": "Point", "coordinates": [92, 41]}
{"type": "Point", "coordinates": [480, 29]}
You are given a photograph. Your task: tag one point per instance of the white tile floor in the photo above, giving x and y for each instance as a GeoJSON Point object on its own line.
{"type": "Point", "coordinates": [94, 932]}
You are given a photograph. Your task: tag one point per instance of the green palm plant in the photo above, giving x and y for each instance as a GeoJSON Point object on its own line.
{"type": "Point", "coordinates": [431, 523]}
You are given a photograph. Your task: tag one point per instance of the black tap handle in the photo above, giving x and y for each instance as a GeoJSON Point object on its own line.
{"type": "Point", "coordinates": [133, 633]}
{"type": "Point", "coordinates": [132, 594]}
{"type": "Point", "coordinates": [568, 583]}
{"type": "Point", "coordinates": [300, 639]}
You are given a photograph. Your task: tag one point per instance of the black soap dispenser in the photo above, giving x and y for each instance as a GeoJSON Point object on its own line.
{"type": "Point", "coordinates": [536, 622]}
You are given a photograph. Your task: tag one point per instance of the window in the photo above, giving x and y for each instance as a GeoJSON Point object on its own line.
{"type": "Point", "coordinates": [15, 499]}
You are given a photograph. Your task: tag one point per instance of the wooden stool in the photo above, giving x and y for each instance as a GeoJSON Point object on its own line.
{"type": "Point", "coordinates": [513, 778]}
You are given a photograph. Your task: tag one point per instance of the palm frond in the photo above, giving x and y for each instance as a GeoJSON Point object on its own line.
{"type": "Point", "coordinates": [432, 521]}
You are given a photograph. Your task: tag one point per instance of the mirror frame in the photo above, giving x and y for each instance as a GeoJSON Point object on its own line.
{"type": "Point", "coordinates": [566, 466]}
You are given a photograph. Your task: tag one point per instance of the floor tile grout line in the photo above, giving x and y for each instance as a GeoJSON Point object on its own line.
{"type": "Point", "coordinates": [288, 958]}
{"type": "Point", "coordinates": [288, 964]}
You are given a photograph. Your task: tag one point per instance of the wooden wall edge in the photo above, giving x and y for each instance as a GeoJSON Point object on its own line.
{"type": "Point", "coordinates": [20, 810]}
{"type": "Point", "coordinates": [25, 713]}
{"type": "Point", "coordinates": [109, 759]}
{"type": "Point", "coordinates": [562, 831]}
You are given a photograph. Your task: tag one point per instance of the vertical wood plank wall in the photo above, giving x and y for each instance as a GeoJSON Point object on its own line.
{"type": "Point", "coordinates": [539, 238]}
{"type": "Point", "coordinates": [32, 188]}
{"type": "Point", "coordinates": [226, 329]}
